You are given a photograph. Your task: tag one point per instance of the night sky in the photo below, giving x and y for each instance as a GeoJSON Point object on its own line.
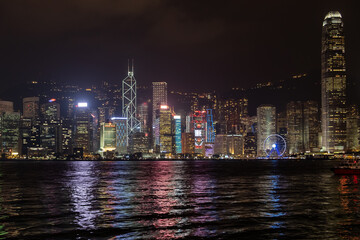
{"type": "Point", "coordinates": [192, 45]}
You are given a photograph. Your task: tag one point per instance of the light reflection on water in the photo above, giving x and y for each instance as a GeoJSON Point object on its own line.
{"type": "Point", "coordinates": [82, 182]}
{"type": "Point", "coordinates": [177, 199]}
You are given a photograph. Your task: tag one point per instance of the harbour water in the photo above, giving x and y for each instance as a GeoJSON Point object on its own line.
{"type": "Point", "coordinates": [217, 199]}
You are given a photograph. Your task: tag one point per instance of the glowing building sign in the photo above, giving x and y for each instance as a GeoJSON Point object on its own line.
{"type": "Point", "coordinates": [198, 123]}
{"type": "Point", "coordinates": [82, 104]}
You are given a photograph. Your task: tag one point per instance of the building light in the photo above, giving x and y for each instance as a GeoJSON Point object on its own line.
{"type": "Point", "coordinates": [164, 107]}
{"type": "Point", "coordinates": [82, 104]}
{"type": "Point", "coordinates": [177, 117]}
{"type": "Point", "coordinates": [118, 118]}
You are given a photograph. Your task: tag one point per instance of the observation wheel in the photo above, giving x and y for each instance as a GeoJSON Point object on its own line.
{"type": "Point", "coordinates": [274, 146]}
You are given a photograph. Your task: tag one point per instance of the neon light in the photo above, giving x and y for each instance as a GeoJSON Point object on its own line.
{"type": "Point", "coordinates": [164, 107]}
{"type": "Point", "coordinates": [118, 118]}
{"type": "Point", "coordinates": [52, 100]}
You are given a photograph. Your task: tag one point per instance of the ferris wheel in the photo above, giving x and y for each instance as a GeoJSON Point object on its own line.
{"type": "Point", "coordinates": [274, 145]}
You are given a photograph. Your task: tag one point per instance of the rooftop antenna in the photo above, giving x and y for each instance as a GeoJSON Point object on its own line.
{"type": "Point", "coordinates": [128, 66]}
{"type": "Point", "coordinates": [133, 66]}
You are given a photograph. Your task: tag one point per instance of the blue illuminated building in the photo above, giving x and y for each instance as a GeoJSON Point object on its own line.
{"type": "Point", "coordinates": [121, 134]}
{"type": "Point", "coordinates": [178, 147]}
{"type": "Point", "coordinates": [210, 133]}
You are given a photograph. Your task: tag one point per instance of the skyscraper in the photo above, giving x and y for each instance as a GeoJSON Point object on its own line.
{"type": "Point", "coordinates": [295, 127]}
{"type": "Point", "coordinates": [177, 120]}
{"type": "Point", "coordinates": [31, 107]}
{"type": "Point", "coordinates": [159, 95]}
{"type": "Point", "coordinates": [143, 113]}
{"type": "Point", "coordinates": [107, 137]}
{"type": "Point", "coordinates": [159, 98]}
{"type": "Point", "coordinates": [198, 122]}
{"type": "Point", "coordinates": [302, 127]}
{"type": "Point", "coordinates": [9, 129]}
{"type": "Point", "coordinates": [266, 118]}
{"type": "Point", "coordinates": [163, 133]}
{"type": "Point", "coordinates": [6, 106]}
{"type": "Point", "coordinates": [83, 128]}
{"type": "Point", "coordinates": [352, 127]}
{"type": "Point", "coordinates": [333, 84]}
{"type": "Point", "coordinates": [129, 101]}
{"type": "Point", "coordinates": [121, 134]}
{"type": "Point", "coordinates": [50, 110]}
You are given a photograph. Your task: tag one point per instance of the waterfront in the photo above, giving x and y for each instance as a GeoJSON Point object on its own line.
{"type": "Point", "coordinates": [177, 199]}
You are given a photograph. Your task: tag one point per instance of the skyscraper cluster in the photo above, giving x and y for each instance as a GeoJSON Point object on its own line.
{"type": "Point", "coordinates": [125, 120]}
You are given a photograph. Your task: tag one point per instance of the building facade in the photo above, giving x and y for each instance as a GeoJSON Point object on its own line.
{"type": "Point", "coordinates": [333, 84]}
{"type": "Point", "coordinates": [266, 125]}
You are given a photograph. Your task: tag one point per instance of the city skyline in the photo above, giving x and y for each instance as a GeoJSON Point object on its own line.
{"type": "Point", "coordinates": [88, 122]}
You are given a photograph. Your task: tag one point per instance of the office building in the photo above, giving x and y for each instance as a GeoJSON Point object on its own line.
{"type": "Point", "coordinates": [159, 97]}
{"type": "Point", "coordinates": [302, 127]}
{"type": "Point", "coordinates": [31, 107]}
{"type": "Point", "coordinates": [266, 125]}
{"type": "Point", "coordinates": [50, 110]}
{"type": "Point", "coordinates": [139, 143]}
{"type": "Point", "coordinates": [121, 135]}
{"type": "Point", "coordinates": [177, 127]}
{"type": "Point", "coordinates": [188, 143]}
{"type": "Point", "coordinates": [163, 131]}
{"type": "Point", "coordinates": [9, 133]}
{"type": "Point", "coordinates": [6, 106]}
{"type": "Point", "coordinates": [352, 129]}
{"type": "Point", "coordinates": [107, 137]}
{"type": "Point", "coordinates": [129, 103]}
{"type": "Point", "coordinates": [333, 84]}
{"type": "Point", "coordinates": [83, 133]}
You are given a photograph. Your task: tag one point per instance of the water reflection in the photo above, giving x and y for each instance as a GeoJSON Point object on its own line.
{"type": "Point", "coordinates": [2, 212]}
{"type": "Point", "coordinates": [350, 202]}
{"type": "Point", "coordinates": [203, 194]}
{"type": "Point", "coordinates": [275, 203]}
{"type": "Point", "coordinates": [82, 181]}
{"type": "Point", "coordinates": [169, 200]}
{"type": "Point", "coordinates": [157, 199]}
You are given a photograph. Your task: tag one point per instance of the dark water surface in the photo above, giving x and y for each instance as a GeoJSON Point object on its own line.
{"type": "Point", "coordinates": [255, 199]}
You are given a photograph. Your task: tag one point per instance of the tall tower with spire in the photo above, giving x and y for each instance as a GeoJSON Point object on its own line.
{"type": "Point", "coordinates": [129, 101]}
{"type": "Point", "coordinates": [333, 84]}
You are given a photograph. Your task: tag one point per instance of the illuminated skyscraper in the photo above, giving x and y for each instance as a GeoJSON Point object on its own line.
{"type": "Point", "coordinates": [129, 101]}
{"type": "Point", "coordinates": [177, 120]}
{"type": "Point", "coordinates": [9, 130]}
{"type": "Point", "coordinates": [159, 95]}
{"type": "Point", "coordinates": [163, 133]}
{"type": "Point", "coordinates": [266, 118]}
{"type": "Point", "coordinates": [198, 123]}
{"type": "Point", "coordinates": [352, 127]}
{"type": "Point", "coordinates": [333, 84]}
{"type": "Point", "coordinates": [232, 112]}
{"type": "Point", "coordinates": [6, 106]}
{"type": "Point", "coordinates": [302, 127]}
{"type": "Point", "coordinates": [159, 98]}
{"type": "Point", "coordinates": [83, 128]}
{"type": "Point", "coordinates": [295, 127]}
{"type": "Point", "coordinates": [50, 110]}
{"type": "Point", "coordinates": [187, 143]}
{"type": "Point", "coordinates": [210, 131]}
{"type": "Point", "coordinates": [107, 137]}
{"type": "Point", "coordinates": [31, 107]}
{"type": "Point", "coordinates": [143, 113]}
{"type": "Point", "coordinates": [121, 134]}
